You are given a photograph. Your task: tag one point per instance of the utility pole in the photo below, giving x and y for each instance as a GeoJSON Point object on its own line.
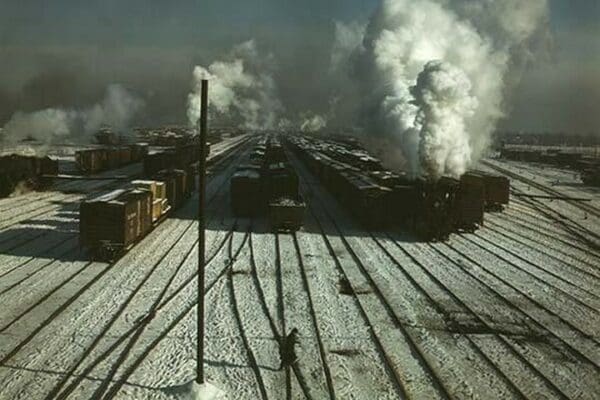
{"type": "Point", "coordinates": [200, 379]}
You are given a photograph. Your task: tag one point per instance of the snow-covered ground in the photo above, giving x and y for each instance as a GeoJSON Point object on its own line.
{"type": "Point", "coordinates": [511, 311]}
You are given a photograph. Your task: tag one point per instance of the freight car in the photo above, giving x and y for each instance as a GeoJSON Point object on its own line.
{"type": "Point", "coordinates": [91, 161]}
{"type": "Point", "coordinates": [497, 190]}
{"type": "Point", "coordinates": [179, 157]}
{"type": "Point", "coordinates": [470, 203]}
{"type": "Point", "coordinates": [380, 198]}
{"type": "Point", "coordinates": [268, 183]}
{"type": "Point", "coordinates": [287, 214]}
{"type": "Point", "coordinates": [247, 195]}
{"type": "Point", "coordinates": [32, 173]}
{"type": "Point", "coordinates": [110, 224]}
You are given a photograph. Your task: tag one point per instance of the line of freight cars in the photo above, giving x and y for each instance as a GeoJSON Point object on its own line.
{"type": "Point", "coordinates": [379, 198]}
{"type": "Point", "coordinates": [112, 223]}
{"type": "Point", "coordinates": [269, 183]}
{"type": "Point", "coordinates": [96, 160]}
{"type": "Point", "coordinates": [587, 166]}
{"type": "Point", "coordinates": [29, 172]}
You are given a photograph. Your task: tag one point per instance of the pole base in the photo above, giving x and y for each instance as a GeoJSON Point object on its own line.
{"type": "Point", "coordinates": [194, 391]}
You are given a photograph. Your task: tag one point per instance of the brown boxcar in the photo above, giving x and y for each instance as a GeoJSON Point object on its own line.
{"type": "Point", "coordinates": [111, 223]}
{"type": "Point", "coordinates": [91, 161]}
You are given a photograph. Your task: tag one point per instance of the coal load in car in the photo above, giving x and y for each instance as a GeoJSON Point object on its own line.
{"type": "Point", "coordinates": [287, 214]}
{"type": "Point", "coordinates": [111, 223]}
{"type": "Point", "coordinates": [247, 197]}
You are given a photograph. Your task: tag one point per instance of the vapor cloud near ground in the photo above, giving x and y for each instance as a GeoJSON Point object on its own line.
{"type": "Point", "coordinates": [57, 125]}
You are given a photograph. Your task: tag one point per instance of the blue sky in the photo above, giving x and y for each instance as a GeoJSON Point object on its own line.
{"type": "Point", "coordinates": [152, 45]}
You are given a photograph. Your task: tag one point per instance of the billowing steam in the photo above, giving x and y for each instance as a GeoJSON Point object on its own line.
{"type": "Point", "coordinates": [54, 125]}
{"type": "Point", "coordinates": [242, 89]}
{"type": "Point", "coordinates": [312, 122]}
{"type": "Point", "coordinates": [433, 74]}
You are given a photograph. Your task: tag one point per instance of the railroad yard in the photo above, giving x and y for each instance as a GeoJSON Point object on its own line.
{"type": "Point", "coordinates": [510, 310]}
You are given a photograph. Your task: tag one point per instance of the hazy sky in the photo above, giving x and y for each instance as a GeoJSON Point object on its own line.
{"type": "Point", "coordinates": [65, 52]}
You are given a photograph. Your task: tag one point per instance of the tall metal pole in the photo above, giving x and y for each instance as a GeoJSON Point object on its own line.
{"type": "Point", "coordinates": [201, 220]}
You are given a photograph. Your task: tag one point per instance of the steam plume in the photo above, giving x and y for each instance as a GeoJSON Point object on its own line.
{"type": "Point", "coordinates": [313, 123]}
{"type": "Point", "coordinates": [53, 124]}
{"type": "Point", "coordinates": [433, 74]}
{"type": "Point", "coordinates": [242, 89]}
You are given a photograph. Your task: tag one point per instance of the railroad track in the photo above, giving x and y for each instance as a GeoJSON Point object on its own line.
{"type": "Point", "coordinates": [137, 362]}
{"type": "Point", "coordinates": [136, 330]}
{"type": "Point", "coordinates": [573, 328]}
{"type": "Point", "coordinates": [216, 166]}
{"type": "Point", "coordinates": [573, 285]}
{"type": "Point", "coordinates": [578, 232]}
{"type": "Point", "coordinates": [516, 389]}
{"type": "Point", "coordinates": [57, 312]}
{"type": "Point", "coordinates": [40, 269]}
{"type": "Point", "coordinates": [313, 314]}
{"type": "Point", "coordinates": [578, 353]}
{"type": "Point", "coordinates": [494, 224]}
{"type": "Point", "coordinates": [238, 318]}
{"type": "Point", "coordinates": [582, 206]}
{"type": "Point", "coordinates": [450, 320]}
{"type": "Point", "coordinates": [281, 315]}
{"type": "Point", "coordinates": [40, 252]}
{"type": "Point", "coordinates": [502, 298]}
{"type": "Point", "coordinates": [95, 188]}
{"type": "Point", "coordinates": [550, 231]}
{"type": "Point", "coordinates": [441, 390]}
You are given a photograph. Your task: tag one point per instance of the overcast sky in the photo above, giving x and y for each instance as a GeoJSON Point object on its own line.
{"type": "Point", "coordinates": [65, 52]}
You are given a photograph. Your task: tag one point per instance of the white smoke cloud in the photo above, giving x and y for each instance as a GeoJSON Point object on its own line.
{"type": "Point", "coordinates": [433, 74]}
{"type": "Point", "coordinates": [313, 123]}
{"type": "Point", "coordinates": [241, 89]}
{"type": "Point", "coordinates": [52, 124]}
{"type": "Point", "coordinates": [442, 96]}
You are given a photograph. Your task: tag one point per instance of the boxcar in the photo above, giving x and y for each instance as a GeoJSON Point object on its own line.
{"type": "Point", "coordinates": [111, 223]}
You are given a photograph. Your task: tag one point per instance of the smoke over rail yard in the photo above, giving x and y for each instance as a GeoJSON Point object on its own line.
{"type": "Point", "coordinates": [382, 199]}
